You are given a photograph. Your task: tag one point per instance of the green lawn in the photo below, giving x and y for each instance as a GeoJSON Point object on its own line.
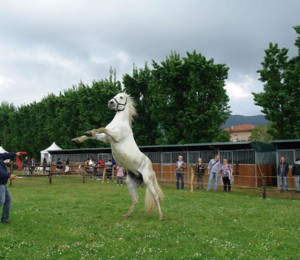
{"type": "Point", "coordinates": [72, 220]}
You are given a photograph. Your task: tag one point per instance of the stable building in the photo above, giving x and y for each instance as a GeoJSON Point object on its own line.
{"type": "Point", "coordinates": [250, 159]}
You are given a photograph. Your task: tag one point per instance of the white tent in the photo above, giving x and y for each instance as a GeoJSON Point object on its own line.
{"type": "Point", "coordinates": [46, 154]}
{"type": "Point", "coordinates": [2, 150]}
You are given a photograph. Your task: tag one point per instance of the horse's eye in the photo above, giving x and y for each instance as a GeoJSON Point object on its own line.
{"type": "Point", "coordinates": [121, 97]}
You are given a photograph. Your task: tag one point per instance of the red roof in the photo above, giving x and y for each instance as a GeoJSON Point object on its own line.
{"type": "Point", "coordinates": [240, 128]}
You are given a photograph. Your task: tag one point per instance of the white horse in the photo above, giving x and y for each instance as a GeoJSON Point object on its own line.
{"type": "Point", "coordinates": [126, 152]}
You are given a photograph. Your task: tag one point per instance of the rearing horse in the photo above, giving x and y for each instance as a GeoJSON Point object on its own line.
{"type": "Point", "coordinates": [126, 152]}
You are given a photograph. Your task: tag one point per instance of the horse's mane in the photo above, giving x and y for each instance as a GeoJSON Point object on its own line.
{"type": "Point", "coordinates": [131, 108]}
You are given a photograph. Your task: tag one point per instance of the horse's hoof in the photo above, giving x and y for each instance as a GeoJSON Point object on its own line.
{"type": "Point", "coordinates": [75, 140]}
{"type": "Point", "coordinates": [88, 133]}
{"type": "Point", "coordinates": [161, 218]}
{"type": "Point", "coordinates": [126, 215]}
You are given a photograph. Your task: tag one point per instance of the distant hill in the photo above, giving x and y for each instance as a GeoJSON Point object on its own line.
{"type": "Point", "coordinates": [240, 120]}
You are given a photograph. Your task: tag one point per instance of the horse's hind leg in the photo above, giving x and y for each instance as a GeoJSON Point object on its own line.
{"type": "Point", "coordinates": [155, 196]}
{"type": "Point", "coordinates": [132, 186]}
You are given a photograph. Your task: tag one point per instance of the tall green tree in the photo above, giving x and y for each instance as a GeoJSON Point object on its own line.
{"type": "Point", "coordinates": [280, 96]}
{"type": "Point", "coordinates": [138, 86]}
{"type": "Point", "coordinates": [189, 101]}
{"type": "Point", "coordinates": [7, 111]}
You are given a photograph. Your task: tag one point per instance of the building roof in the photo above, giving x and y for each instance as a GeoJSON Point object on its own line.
{"type": "Point", "coordinates": [52, 147]}
{"type": "Point", "coordinates": [240, 128]}
{"type": "Point", "coordinates": [2, 150]}
{"type": "Point", "coordinates": [255, 145]}
{"type": "Point", "coordinates": [286, 143]}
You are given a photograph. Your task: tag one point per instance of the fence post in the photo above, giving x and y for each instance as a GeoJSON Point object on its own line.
{"type": "Point", "coordinates": [83, 176]}
{"type": "Point", "coordinates": [103, 175]}
{"type": "Point", "coordinates": [50, 177]}
{"type": "Point", "coordinates": [192, 177]}
{"type": "Point", "coordinates": [264, 194]}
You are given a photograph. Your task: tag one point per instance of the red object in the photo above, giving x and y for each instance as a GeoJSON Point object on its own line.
{"type": "Point", "coordinates": [18, 161]}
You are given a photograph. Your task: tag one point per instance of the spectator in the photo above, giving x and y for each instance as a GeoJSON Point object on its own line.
{"type": "Point", "coordinates": [32, 166]}
{"type": "Point", "coordinates": [100, 167]}
{"type": "Point", "coordinates": [282, 171]}
{"type": "Point", "coordinates": [179, 171]}
{"type": "Point", "coordinates": [86, 164]}
{"type": "Point", "coordinates": [67, 167]}
{"type": "Point", "coordinates": [59, 165]}
{"type": "Point", "coordinates": [226, 172]}
{"type": "Point", "coordinates": [199, 170]}
{"type": "Point", "coordinates": [25, 166]}
{"type": "Point", "coordinates": [108, 169]}
{"type": "Point", "coordinates": [120, 175]}
{"type": "Point", "coordinates": [296, 174]}
{"type": "Point", "coordinates": [44, 165]}
{"type": "Point", "coordinates": [91, 165]}
{"type": "Point", "coordinates": [5, 197]}
{"type": "Point", "coordinates": [214, 167]}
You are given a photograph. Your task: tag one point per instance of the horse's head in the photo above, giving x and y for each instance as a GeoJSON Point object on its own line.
{"type": "Point", "coordinates": [118, 102]}
{"type": "Point", "coordinates": [123, 102]}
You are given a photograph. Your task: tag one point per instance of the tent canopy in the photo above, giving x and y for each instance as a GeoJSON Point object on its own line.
{"type": "Point", "coordinates": [45, 154]}
{"type": "Point", "coordinates": [2, 150]}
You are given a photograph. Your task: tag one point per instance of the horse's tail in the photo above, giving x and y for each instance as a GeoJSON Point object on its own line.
{"type": "Point", "coordinates": [149, 198]}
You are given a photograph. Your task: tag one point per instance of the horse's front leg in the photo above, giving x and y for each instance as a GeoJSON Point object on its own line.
{"type": "Point", "coordinates": [92, 134]}
{"type": "Point", "coordinates": [80, 139]}
{"type": "Point", "coordinates": [104, 131]}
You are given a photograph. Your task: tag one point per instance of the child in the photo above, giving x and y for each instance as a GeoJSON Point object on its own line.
{"type": "Point", "coordinates": [120, 175]}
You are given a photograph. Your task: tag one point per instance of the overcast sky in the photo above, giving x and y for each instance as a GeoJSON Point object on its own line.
{"type": "Point", "coordinates": [48, 46]}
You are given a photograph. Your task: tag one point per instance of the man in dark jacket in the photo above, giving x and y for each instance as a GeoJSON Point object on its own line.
{"type": "Point", "coordinates": [5, 197]}
{"type": "Point", "coordinates": [282, 171]}
{"type": "Point", "coordinates": [296, 174]}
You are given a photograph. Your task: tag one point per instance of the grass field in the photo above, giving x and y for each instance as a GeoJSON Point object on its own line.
{"type": "Point", "coordinates": [72, 220]}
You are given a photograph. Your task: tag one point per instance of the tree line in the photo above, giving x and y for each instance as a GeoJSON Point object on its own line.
{"type": "Point", "coordinates": [179, 100]}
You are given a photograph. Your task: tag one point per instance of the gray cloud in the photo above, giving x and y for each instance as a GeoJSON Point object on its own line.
{"type": "Point", "coordinates": [48, 46]}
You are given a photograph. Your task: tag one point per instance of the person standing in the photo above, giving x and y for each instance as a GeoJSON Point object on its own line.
{"type": "Point", "coordinates": [100, 167]}
{"type": "Point", "coordinates": [5, 197]}
{"type": "Point", "coordinates": [108, 169]}
{"type": "Point", "coordinates": [282, 171]}
{"type": "Point", "coordinates": [226, 172]}
{"type": "Point", "coordinates": [199, 170]}
{"type": "Point", "coordinates": [32, 166]}
{"type": "Point", "coordinates": [179, 171]}
{"type": "Point", "coordinates": [67, 166]}
{"type": "Point", "coordinates": [44, 165]}
{"type": "Point", "coordinates": [214, 167]}
{"type": "Point", "coordinates": [59, 165]}
{"type": "Point", "coordinates": [25, 166]}
{"type": "Point", "coordinates": [296, 174]}
{"type": "Point", "coordinates": [120, 175]}
{"type": "Point", "coordinates": [91, 164]}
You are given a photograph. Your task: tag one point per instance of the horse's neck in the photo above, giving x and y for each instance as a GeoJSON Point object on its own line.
{"type": "Point", "coordinates": [121, 118]}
